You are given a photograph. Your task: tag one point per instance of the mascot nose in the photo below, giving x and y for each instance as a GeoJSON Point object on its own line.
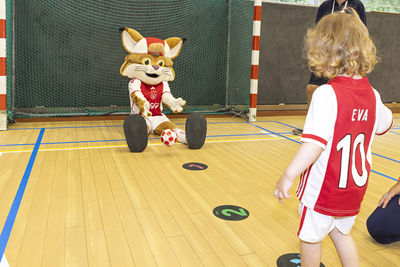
{"type": "Point", "coordinates": [155, 67]}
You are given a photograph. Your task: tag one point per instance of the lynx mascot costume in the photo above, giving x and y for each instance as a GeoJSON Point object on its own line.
{"type": "Point", "coordinates": [149, 66]}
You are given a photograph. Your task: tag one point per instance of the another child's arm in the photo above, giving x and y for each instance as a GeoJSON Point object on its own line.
{"type": "Point", "coordinates": [307, 154]}
{"type": "Point", "coordinates": [395, 190]}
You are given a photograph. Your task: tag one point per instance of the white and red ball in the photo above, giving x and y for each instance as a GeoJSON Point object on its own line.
{"type": "Point", "coordinates": [169, 137]}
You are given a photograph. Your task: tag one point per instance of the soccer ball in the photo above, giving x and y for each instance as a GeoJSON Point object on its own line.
{"type": "Point", "coordinates": [169, 137]}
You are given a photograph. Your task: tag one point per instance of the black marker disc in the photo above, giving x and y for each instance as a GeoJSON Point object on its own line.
{"type": "Point", "coordinates": [195, 166]}
{"type": "Point", "coordinates": [291, 260]}
{"type": "Point", "coordinates": [231, 213]}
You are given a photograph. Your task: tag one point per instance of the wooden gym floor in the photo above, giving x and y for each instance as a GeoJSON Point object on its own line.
{"type": "Point", "coordinates": [88, 201]}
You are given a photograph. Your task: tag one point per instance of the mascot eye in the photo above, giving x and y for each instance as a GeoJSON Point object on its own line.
{"type": "Point", "coordinates": [161, 63]}
{"type": "Point", "coordinates": [146, 61]}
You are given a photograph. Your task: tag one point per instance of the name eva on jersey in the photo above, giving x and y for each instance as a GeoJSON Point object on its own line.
{"type": "Point", "coordinates": [359, 115]}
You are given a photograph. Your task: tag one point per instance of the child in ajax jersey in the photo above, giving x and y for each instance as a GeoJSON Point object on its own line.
{"type": "Point", "coordinates": [334, 159]}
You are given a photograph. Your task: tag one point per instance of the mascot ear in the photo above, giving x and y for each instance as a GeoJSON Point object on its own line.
{"type": "Point", "coordinates": [130, 38]}
{"type": "Point", "coordinates": [175, 45]}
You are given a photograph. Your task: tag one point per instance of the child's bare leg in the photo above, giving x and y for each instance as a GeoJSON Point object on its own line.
{"type": "Point", "coordinates": [346, 248]}
{"type": "Point", "coordinates": [310, 254]}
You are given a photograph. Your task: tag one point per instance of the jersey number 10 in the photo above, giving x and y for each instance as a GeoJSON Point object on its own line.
{"type": "Point", "coordinates": [349, 150]}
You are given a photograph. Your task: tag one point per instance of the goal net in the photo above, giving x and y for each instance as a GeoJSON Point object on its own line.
{"type": "Point", "coordinates": [67, 54]}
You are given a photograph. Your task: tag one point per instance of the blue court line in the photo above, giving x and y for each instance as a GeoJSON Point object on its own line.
{"type": "Point", "coordinates": [78, 142]}
{"type": "Point", "coordinates": [225, 122]}
{"type": "Point", "coordinates": [371, 153]}
{"type": "Point", "coordinates": [278, 134]}
{"type": "Point", "coordinates": [96, 141]}
{"type": "Point", "coordinates": [65, 127]}
{"type": "Point", "coordinates": [154, 138]}
{"type": "Point", "coordinates": [394, 179]}
{"type": "Point", "coordinates": [5, 233]}
{"type": "Point", "coordinates": [286, 124]}
{"type": "Point", "coordinates": [385, 157]}
{"type": "Point", "coordinates": [28, 144]}
{"type": "Point", "coordinates": [71, 142]}
{"type": "Point", "coordinates": [298, 127]}
{"type": "Point", "coordinates": [384, 175]}
{"type": "Point", "coordinates": [182, 123]}
{"type": "Point", "coordinates": [105, 126]}
{"type": "Point", "coordinates": [231, 135]}
{"type": "Point", "coordinates": [118, 140]}
{"type": "Point", "coordinates": [17, 129]}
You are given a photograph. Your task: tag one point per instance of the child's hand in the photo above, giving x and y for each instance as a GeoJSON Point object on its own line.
{"type": "Point", "coordinates": [282, 188]}
{"type": "Point", "coordinates": [395, 190]}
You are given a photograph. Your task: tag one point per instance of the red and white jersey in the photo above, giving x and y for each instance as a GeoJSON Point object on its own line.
{"type": "Point", "coordinates": [152, 93]}
{"type": "Point", "coordinates": [343, 117]}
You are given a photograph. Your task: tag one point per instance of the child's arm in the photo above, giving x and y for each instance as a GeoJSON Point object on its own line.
{"type": "Point", "coordinates": [307, 154]}
{"type": "Point", "coordinates": [395, 190]}
{"type": "Point", "coordinates": [384, 116]}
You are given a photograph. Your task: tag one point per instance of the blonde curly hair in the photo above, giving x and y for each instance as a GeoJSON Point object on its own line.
{"type": "Point", "coordinates": [340, 45]}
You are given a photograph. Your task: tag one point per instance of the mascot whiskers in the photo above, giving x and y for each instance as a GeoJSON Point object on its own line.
{"type": "Point", "coordinates": [149, 66]}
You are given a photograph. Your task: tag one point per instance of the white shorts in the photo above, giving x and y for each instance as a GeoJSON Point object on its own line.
{"type": "Point", "coordinates": [154, 121]}
{"type": "Point", "coordinates": [314, 226]}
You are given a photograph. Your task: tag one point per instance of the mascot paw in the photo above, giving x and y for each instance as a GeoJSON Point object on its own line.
{"type": "Point", "coordinates": [181, 102]}
{"type": "Point", "coordinates": [177, 105]}
{"type": "Point", "coordinates": [145, 109]}
{"type": "Point", "coordinates": [169, 137]}
{"type": "Point", "coordinates": [146, 113]}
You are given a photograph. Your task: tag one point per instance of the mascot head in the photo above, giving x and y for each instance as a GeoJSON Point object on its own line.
{"type": "Point", "coordinates": [149, 59]}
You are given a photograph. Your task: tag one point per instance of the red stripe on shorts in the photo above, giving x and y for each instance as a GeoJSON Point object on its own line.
{"type": "Point", "coordinates": [303, 216]}
{"type": "Point", "coordinates": [303, 186]}
{"type": "Point", "coordinates": [300, 183]}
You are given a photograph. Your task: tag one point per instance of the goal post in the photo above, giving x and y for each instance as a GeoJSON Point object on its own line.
{"type": "Point", "coordinates": [3, 68]}
{"type": "Point", "coordinates": [255, 55]}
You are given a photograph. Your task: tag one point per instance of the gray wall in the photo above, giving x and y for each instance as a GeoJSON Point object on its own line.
{"type": "Point", "coordinates": [284, 74]}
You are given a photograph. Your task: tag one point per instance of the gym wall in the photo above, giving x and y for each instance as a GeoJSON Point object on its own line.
{"type": "Point", "coordinates": [284, 74]}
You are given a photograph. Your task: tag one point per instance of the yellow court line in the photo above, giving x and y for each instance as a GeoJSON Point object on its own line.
{"type": "Point", "coordinates": [151, 144]}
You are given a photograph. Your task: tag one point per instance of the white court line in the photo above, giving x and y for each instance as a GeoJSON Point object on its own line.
{"type": "Point", "coordinates": [270, 134]}
{"type": "Point", "coordinates": [154, 144]}
{"type": "Point", "coordinates": [4, 262]}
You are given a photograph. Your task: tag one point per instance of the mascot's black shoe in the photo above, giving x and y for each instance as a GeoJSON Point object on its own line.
{"type": "Point", "coordinates": [196, 130]}
{"type": "Point", "coordinates": [135, 129]}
